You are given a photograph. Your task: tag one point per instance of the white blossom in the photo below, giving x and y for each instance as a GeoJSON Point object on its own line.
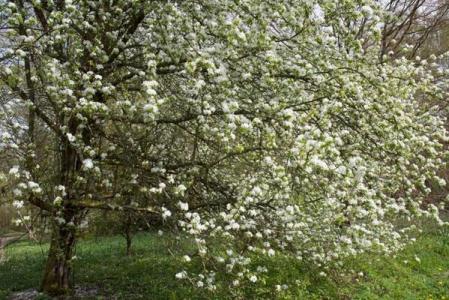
{"type": "Point", "coordinates": [18, 204]}
{"type": "Point", "coordinates": [181, 275]}
{"type": "Point", "coordinates": [183, 205]}
{"type": "Point", "coordinates": [88, 164]}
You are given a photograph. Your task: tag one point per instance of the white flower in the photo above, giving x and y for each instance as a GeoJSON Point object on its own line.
{"type": "Point", "coordinates": [220, 259]}
{"type": "Point", "coordinates": [225, 107]}
{"type": "Point", "coordinates": [253, 278]}
{"type": "Point", "coordinates": [271, 252]}
{"type": "Point", "coordinates": [165, 213]}
{"type": "Point", "coordinates": [180, 189]}
{"type": "Point", "coordinates": [318, 13]}
{"type": "Point", "coordinates": [149, 87]}
{"type": "Point", "coordinates": [183, 206]}
{"type": "Point", "coordinates": [186, 258]}
{"type": "Point", "coordinates": [57, 201]}
{"type": "Point", "coordinates": [150, 108]}
{"type": "Point", "coordinates": [7, 71]}
{"type": "Point", "coordinates": [256, 190]}
{"type": "Point", "coordinates": [17, 204]}
{"type": "Point", "coordinates": [71, 137]}
{"type": "Point", "coordinates": [14, 171]}
{"type": "Point", "coordinates": [6, 136]}
{"type": "Point", "coordinates": [341, 170]}
{"type": "Point", "coordinates": [33, 185]}
{"type": "Point", "coordinates": [35, 188]}
{"type": "Point", "coordinates": [202, 251]}
{"type": "Point", "coordinates": [367, 10]}
{"type": "Point", "coordinates": [88, 164]}
{"type": "Point", "coordinates": [150, 83]}
{"type": "Point", "coordinates": [181, 275]}
{"type": "Point", "coordinates": [319, 163]}
{"type": "Point", "coordinates": [61, 188]}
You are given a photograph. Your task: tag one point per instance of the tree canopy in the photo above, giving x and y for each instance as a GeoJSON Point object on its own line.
{"type": "Point", "coordinates": [274, 127]}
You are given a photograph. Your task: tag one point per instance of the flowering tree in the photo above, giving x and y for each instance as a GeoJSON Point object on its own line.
{"type": "Point", "coordinates": [264, 124]}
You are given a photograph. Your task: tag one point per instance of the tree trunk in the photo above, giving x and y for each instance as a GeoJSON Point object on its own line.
{"type": "Point", "coordinates": [128, 234]}
{"type": "Point", "coordinates": [128, 244]}
{"type": "Point", "coordinates": [2, 252]}
{"type": "Point", "coordinates": [58, 276]}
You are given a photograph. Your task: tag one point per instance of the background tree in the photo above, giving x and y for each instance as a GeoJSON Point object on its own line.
{"type": "Point", "coordinates": [413, 24]}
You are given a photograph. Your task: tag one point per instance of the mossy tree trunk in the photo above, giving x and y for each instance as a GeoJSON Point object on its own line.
{"type": "Point", "coordinates": [58, 272]}
{"type": "Point", "coordinates": [58, 275]}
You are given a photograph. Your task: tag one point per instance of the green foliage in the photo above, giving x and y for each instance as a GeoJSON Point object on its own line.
{"type": "Point", "coordinates": [150, 272]}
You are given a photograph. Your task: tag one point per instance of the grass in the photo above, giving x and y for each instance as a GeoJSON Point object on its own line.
{"type": "Point", "coordinates": [149, 273]}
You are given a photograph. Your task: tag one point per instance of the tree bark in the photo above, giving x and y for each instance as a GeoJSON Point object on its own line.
{"type": "Point", "coordinates": [128, 234]}
{"type": "Point", "coordinates": [58, 276]}
{"type": "Point", "coordinates": [128, 244]}
{"type": "Point", "coordinates": [2, 252]}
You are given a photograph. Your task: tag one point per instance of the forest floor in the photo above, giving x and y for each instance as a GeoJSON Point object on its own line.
{"type": "Point", "coordinates": [102, 271]}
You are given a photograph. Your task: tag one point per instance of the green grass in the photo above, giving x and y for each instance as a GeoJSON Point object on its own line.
{"type": "Point", "coordinates": [149, 273]}
{"type": "Point", "coordinates": [402, 277]}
